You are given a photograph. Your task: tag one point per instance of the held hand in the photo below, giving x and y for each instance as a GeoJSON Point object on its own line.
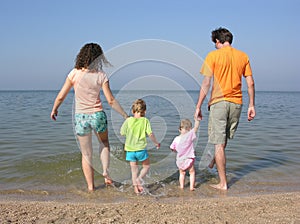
{"type": "Point", "coordinates": [251, 113]}
{"type": "Point", "coordinates": [198, 114]}
{"type": "Point", "coordinates": [158, 146]}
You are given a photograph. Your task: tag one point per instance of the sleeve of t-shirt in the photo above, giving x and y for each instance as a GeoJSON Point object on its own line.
{"type": "Point", "coordinates": [148, 127]}
{"type": "Point", "coordinates": [248, 71]}
{"type": "Point", "coordinates": [71, 76]}
{"type": "Point", "coordinates": [173, 145]}
{"type": "Point", "coordinates": [124, 126]}
{"type": "Point", "coordinates": [103, 78]}
{"type": "Point", "coordinates": [208, 66]}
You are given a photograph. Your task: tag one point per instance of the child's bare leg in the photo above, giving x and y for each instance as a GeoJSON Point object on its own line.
{"type": "Point", "coordinates": [181, 178]}
{"type": "Point", "coordinates": [86, 160]}
{"type": "Point", "coordinates": [134, 175]}
{"type": "Point", "coordinates": [144, 171]}
{"type": "Point", "coordinates": [146, 167]}
{"type": "Point", "coordinates": [192, 177]}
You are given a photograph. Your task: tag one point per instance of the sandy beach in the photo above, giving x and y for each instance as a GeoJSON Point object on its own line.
{"type": "Point", "coordinates": [270, 208]}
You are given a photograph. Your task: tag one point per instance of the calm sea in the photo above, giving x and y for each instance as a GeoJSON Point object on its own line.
{"type": "Point", "coordinates": [40, 158]}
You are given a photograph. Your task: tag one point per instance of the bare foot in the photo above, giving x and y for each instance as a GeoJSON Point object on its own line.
{"type": "Point", "coordinates": [219, 187]}
{"type": "Point", "coordinates": [192, 189]}
{"type": "Point", "coordinates": [107, 180]}
{"type": "Point", "coordinates": [212, 163]}
{"type": "Point", "coordinates": [136, 190]}
{"type": "Point", "coordinates": [139, 185]}
{"type": "Point", "coordinates": [141, 189]}
{"type": "Point", "coordinates": [91, 189]}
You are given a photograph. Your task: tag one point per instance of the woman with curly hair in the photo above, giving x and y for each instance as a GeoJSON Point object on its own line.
{"type": "Point", "coordinates": [88, 79]}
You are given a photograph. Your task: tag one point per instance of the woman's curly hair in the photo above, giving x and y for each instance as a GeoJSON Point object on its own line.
{"type": "Point", "coordinates": [91, 57]}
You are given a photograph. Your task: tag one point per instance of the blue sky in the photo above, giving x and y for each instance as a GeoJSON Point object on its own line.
{"type": "Point", "coordinates": [40, 39]}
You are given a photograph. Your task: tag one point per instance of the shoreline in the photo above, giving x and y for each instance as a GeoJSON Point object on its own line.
{"type": "Point", "coordinates": [266, 208]}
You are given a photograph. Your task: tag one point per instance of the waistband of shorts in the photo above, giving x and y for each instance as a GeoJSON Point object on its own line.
{"type": "Point", "coordinates": [96, 112]}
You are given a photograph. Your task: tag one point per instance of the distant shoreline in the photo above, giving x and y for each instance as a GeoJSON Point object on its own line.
{"type": "Point", "coordinates": [166, 90]}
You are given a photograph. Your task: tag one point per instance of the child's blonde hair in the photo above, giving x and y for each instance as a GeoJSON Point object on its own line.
{"type": "Point", "coordinates": [139, 106]}
{"type": "Point", "coordinates": [186, 124]}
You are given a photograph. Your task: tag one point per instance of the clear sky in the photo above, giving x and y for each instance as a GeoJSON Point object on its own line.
{"type": "Point", "coordinates": [40, 39]}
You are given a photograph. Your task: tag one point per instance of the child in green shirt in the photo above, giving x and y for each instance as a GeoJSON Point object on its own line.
{"type": "Point", "coordinates": [136, 129]}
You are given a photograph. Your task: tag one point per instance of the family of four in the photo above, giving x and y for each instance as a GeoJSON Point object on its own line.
{"type": "Point", "coordinates": [223, 70]}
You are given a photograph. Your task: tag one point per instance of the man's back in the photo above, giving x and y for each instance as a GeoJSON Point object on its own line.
{"type": "Point", "coordinates": [226, 65]}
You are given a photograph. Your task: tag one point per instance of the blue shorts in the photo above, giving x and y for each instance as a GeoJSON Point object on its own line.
{"type": "Point", "coordinates": [85, 123]}
{"type": "Point", "coordinates": [137, 156]}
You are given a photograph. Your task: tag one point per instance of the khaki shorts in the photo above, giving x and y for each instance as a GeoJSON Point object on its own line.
{"type": "Point", "coordinates": [223, 121]}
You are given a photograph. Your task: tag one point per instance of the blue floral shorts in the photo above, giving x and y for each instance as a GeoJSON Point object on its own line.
{"type": "Point", "coordinates": [85, 123]}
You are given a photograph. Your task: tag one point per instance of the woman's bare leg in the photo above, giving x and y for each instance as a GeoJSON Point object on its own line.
{"type": "Point", "coordinates": [85, 143]}
{"type": "Point", "coordinates": [104, 153]}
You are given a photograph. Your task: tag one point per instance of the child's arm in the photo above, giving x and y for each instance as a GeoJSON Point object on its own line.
{"type": "Point", "coordinates": [173, 150]}
{"type": "Point", "coordinates": [153, 139]}
{"type": "Point", "coordinates": [173, 145]}
{"type": "Point", "coordinates": [196, 125]}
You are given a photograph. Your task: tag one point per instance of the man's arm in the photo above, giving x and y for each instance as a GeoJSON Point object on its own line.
{"type": "Point", "coordinates": [202, 95]}
{"type": "Point", "coordinates": [251, 94]}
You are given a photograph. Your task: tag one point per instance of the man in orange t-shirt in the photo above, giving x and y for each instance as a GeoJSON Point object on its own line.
{"type": "Point", "coordinates": [225, 66]}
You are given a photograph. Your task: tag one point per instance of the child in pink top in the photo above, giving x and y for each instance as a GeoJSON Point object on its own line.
{"type": "Point", "coordinates": [183, 145]}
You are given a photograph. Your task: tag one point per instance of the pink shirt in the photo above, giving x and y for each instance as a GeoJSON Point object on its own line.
{"type": "Point", "coordinates": [183, 144]}
{"type": "Point", "coordinates": [87, 86]}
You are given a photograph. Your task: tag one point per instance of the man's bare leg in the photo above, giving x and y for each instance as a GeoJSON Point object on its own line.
{"type": "Point", "coordinates": [220, 159]}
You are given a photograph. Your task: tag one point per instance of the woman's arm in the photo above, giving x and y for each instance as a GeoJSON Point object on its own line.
{"type": "Point", "coordinates": [60, 98]}
{"type": "Point", "coordinates": [112, 101]}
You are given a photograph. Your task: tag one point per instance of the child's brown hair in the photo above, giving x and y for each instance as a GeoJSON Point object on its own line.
{"type": "Point", "coordinates": [139, 106]}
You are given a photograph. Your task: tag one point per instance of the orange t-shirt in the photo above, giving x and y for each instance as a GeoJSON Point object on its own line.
{"type": "Point", "coordinates": [87, 86]}
{"type": "Point", "coordinates": [227, 65]}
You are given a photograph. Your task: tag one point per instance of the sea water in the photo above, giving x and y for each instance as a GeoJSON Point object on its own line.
{"type": "Point", "coordinates": [40, 158]}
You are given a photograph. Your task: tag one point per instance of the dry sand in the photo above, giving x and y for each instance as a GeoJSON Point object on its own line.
{"type": "Point", "coordinates": [271, 208]}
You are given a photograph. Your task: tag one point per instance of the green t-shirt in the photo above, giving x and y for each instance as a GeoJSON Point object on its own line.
{"type": "Point", "coordinates": [136, 131]}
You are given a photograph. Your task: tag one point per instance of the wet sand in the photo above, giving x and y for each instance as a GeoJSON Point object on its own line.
{"type": "Point", "coordinates": [268, 208]}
